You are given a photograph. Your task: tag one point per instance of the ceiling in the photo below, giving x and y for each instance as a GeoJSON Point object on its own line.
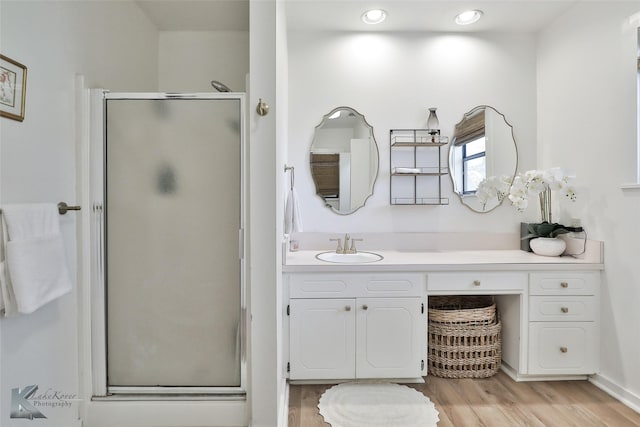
{"type": "Point", "coordinates": [424, 15]}
{"type": "Point", "coordinates": [344, 15]}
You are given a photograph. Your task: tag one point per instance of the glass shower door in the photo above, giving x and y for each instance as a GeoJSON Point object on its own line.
{"type": "Point", "coordinates": [173, 212]}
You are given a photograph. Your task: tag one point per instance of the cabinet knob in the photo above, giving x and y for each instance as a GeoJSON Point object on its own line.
{"type": "Point", "coordinates": [365, 307]}
{"type": "Point", "coordinates": [476, 283]}
{"type": "Point", "coordinates": [564, 284]}
{"type": "Point", "coordinates": [564, 309]}
{"type": "Point", "coordinates": [347, 308]}
{"type": "Point", "coordinates": [563, 349]}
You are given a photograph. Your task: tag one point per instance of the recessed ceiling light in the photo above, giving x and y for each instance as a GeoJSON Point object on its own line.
{"type": "Point", "coordinates": [374, 16]}
{"type": "Point", "coordinates": [468, 17]}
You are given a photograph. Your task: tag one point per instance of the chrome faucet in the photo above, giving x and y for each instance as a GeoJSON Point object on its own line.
{"type": "Point", "coordinates": [346, 249]}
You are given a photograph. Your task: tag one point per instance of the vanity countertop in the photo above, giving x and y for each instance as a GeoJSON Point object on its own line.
{"type": "Point", "coordinates": [463, 260]}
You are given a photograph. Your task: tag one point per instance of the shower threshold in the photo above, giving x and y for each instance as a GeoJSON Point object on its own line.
{"type": "Point", "coordinates": [172, 396]}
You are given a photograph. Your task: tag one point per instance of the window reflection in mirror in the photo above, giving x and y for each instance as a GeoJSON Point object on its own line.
{"type": "Point", "coordinates": [482, 146]}
{"type": "Point", "coordinates": [344, 160]}
{"type": "Point", "coordinates": [474, 165]}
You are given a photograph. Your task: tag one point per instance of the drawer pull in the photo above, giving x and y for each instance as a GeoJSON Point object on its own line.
{"type": "Point", "coordinates": [563, 349]}
{"type": "Point", "coordinates": [476, 283]}
{"type": "Point", "coordinates": [564, 284]}
{"type": "Point", "coordinates": [365, 307]}
{"type": "Point", "coordinates": [347, 308]}
{"type": "Point", "coordinates": [564, 309]}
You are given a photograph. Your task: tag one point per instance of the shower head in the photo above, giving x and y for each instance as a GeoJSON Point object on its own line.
{"type": "Point", "coordinates": [220, 87]}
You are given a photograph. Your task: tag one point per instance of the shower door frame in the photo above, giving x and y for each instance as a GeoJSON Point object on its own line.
{"type": "Point", "coordinates": [97, 191]}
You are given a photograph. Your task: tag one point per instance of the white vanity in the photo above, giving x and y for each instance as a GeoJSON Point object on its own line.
{"type": "Point", "coordinates": [356, 325]}
{"type": "Point", "coordinates": [368, 320]}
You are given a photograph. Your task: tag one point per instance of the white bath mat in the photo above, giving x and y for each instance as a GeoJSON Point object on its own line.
{"type": "Point", "coordinates": [376, 405]}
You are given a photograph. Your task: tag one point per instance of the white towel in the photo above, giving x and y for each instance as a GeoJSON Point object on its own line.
{"type": "Point", "coordinates": [292, 217]}
{"type": "Point", "coordinates": [34, 271]}
{"type": "Point", "coordinates": [407, 170]}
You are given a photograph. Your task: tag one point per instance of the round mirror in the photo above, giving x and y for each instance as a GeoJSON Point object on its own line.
{"type": "Point", "coordinates": [344, 160]}
{"type": "Point", "coordinates": [483, 158]}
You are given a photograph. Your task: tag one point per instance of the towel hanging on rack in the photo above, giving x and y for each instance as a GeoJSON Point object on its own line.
{"type": "Point", "coordinates": [292, 217]}
{"type": "Point", "coordinates": [33, 268]}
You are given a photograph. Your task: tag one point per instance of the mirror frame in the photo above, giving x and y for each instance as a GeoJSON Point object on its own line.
{"type": "Point", "coordinates": [375, 144]}
{"type": "Point", "coordinates": [465, 116]}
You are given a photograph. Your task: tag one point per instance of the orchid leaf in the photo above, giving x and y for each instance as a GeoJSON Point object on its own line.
{"type": "Point", "coordinates": [545, 229]}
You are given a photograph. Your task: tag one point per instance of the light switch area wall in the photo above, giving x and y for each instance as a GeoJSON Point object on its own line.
{"type": "Point", "coordinates": [392, 79]}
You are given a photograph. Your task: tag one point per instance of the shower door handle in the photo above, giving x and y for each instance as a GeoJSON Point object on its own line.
{"type": "Point", "coordinates": [98, 211]}
{"type": "Point", "coordinates": [241, 243]}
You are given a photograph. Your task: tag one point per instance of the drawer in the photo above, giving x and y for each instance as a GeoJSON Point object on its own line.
{"type": "Point", "coordinates": [562, 308]}
{"type": "Point", "coordinates": [563, 348]}
{"type": "Point", "coordinates": [480, 282]}
{"type": "Point", "coordinates": [394, 285]}
{"type": "Point", "coordinates": [346, 285]}
{"type": "Point", "coordinates": [564, 283]}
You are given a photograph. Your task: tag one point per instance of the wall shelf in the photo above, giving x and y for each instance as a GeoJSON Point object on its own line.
{"type": "Point", "coordinates": [416, 167]}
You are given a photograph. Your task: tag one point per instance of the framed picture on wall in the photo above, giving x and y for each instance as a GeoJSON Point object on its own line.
{"type": "Point", "coordinates": [13, 88]}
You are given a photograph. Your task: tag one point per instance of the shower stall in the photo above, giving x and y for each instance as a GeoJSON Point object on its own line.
{"type": "Point", "coordinates": [168, 213]}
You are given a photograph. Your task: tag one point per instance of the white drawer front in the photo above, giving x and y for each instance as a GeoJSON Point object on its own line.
{"type": "Point", "coordinates": [480, 282]}
{"type": "Point", "coordinates": [563, 348]}
{"type": "Point", "coordinates": [562, 308]}
{"type": "Point", "coordinates": [564, 283]}
{"type": "Point", "coordinates": [395, 285]}
{"type": "Point", "coordinates": [341, 285]}
{"type": "Point", "coordinates": [318, 286]}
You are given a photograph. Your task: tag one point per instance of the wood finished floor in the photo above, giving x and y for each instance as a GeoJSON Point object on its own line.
{"type": "Point", "coordinates": [494, 402]}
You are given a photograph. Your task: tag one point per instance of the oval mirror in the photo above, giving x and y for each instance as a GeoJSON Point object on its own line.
{"type": "Point", "coordinates": [344, 160]}
{"type": "Point", "coordinates": [483, 158]}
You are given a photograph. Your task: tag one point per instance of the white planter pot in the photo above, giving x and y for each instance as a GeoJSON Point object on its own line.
{"type": "Point", "coordinates": [547, 246]}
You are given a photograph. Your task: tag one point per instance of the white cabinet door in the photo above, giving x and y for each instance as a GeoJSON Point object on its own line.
{"type": "Point", "coordinates": [390, 336]}
{"type": "Point", "coordinates": [322, 338]}
{"type": "Point", "coordinates": [563, 348]}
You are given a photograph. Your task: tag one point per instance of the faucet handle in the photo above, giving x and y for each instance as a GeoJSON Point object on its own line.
{"type": "Point", "coordinates": [353, 249]}
{"type": "Point", "coordinates": [339, 248]}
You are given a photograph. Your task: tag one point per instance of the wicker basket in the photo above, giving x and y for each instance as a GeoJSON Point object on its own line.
{"type": "Point", "coordinates": [464, 337]}
{"type": "Point", "coordinates": [462, 310]}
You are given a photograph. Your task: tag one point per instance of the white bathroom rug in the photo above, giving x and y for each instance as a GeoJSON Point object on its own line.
{"type": "Point", "coordinates": [376, 405]}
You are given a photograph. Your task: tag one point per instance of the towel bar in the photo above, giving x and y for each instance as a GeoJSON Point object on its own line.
{"type": "Point", "coordinates": [292, 176]}
{"type": "Point", "coordinates": [63, 208]}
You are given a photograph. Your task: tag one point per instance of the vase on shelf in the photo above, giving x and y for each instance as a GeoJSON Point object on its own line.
{"type": "Point", "coordinates": [547, 246]}
{"type": "Point", "coordinates": [433, 124]}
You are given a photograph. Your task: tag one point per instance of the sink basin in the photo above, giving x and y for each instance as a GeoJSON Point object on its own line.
{"type": "Point", "coordinates": [357, 258]}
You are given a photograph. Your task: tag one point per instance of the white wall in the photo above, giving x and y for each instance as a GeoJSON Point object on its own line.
{"type": "Point", "coordinates": [392, 78]}
{"type": "Point", "coordinates": [587, 112]}
{"type": "Point", "coordinates": [189, 60]}
{"type": "Point", "coordinates": [265, 217]}
{"type": "Point", "coordinates": [114, 46]}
